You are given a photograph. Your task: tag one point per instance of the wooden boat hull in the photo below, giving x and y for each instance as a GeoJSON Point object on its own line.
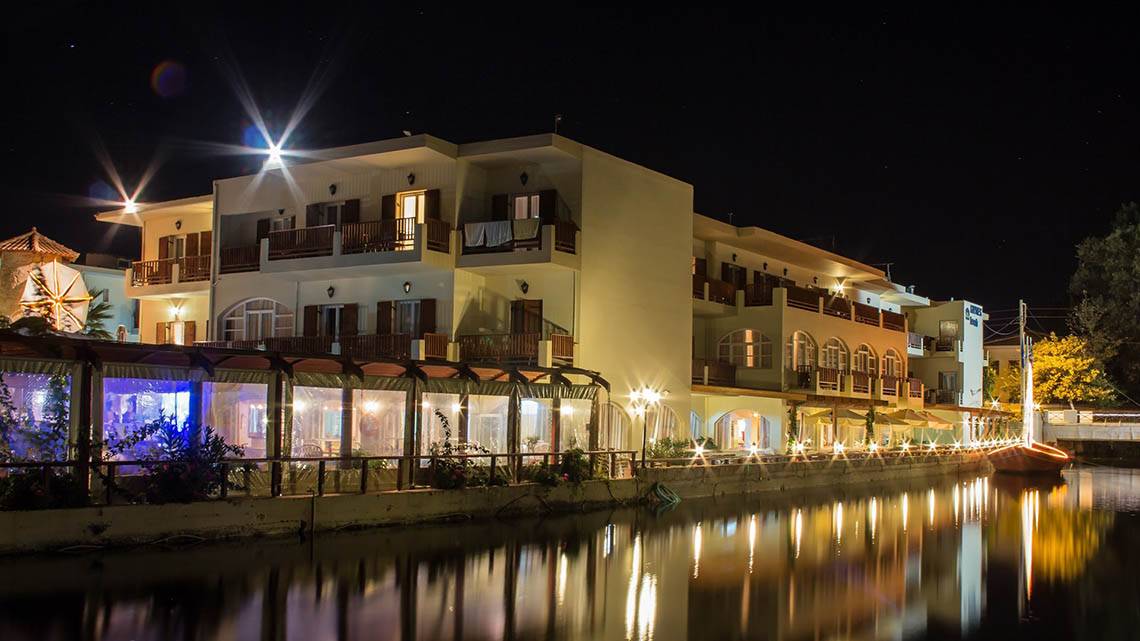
{"type": "Point", "coordinates": [1035, 459]}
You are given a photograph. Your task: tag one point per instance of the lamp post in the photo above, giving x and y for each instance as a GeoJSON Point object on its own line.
{"type": "Point", "coordinates": [642, 399]}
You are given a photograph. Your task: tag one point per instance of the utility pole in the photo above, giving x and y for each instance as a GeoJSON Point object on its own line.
{"type": "Point", "coordinates": [1027, 407]}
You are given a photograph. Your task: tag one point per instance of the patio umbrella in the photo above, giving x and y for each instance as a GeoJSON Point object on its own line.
{"type": "Point", "coordinates": [888, 420]}
{"type": "Point", "coordinates": [935, 421]}
{"type": "Point", "coordinates": [909, 416]}
{"type": "Point", "coordinates": [57, 293]}
{"type": "Point", "coordinates": [845, 414]}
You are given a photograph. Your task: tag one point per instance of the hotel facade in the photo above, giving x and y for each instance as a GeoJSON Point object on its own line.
{"type": "Point", "coordinates": [542, 251]}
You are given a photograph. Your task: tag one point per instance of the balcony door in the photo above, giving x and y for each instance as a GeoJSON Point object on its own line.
{"type": "Point", "coordinates": [411, 317]}
{"type": "Point", "coordinates": [526, 316]}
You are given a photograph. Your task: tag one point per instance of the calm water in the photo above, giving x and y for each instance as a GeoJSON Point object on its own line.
{"type": "Point", "coordinates": [980, 558]}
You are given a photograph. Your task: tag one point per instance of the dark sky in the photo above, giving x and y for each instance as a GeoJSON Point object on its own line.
{"type": "Point", "coordinates": [971, 151]}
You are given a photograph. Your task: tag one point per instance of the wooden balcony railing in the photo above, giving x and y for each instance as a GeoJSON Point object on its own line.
{"type": "Point", "coordinates": [235, 344]}
{"type": "Point", "coordinates": [722, 292]}
{"type": "Point", "coordinates": [946, 344]}
{"type": "Point", "coordinates": [947, 397]}
{"type": "Point", "coordinates": [894, 320]}
{"type": "Point", "coordinates": [562, 347]}
{"type": "Point", "coordinates": [194, 268]}
{"type": "Point", "coordinates": [914, 387]}
{"type": "Point", "coordinates": [438, 235]}
{"type": "Point", "coordinates": [364, 346]}
{"type": "Point", "coordinates": [435, 345]}
{"type": "Point", "coordinates": [837, 306]}
{"type": "Point", "coordinates": [914, 341]}
{"type": "Point", "coordinates": [500, 348]}
{"type": "Point", "coordinates": [720, 373]}
{"type": "Point", "coordinates": [302, 242]}
{"type": "Point", "coordinates": [866, 314]}
{"type": "Point", "coordinates": [889, 385]}
{"type": "Point", "coordinates": [378, 236]}
{"type": "Point", "coordinates": [565, 239]}
{"type": "Point", "coordinates": [803, 375]}
{"type": "Point", "coordinates": [758, 295]}
{"type": "Point", "coordinates": [860, 382]}
{"type": "Point", "coordinates": [300, 344]}
{"type": "Point", "coordinates": [803, 298]}
{"type": "Point", "coordinates": [829, 378]}
{"type": "Point", "coordinates": [699, 281]}
{"type": "Point", "coordinates": [233, 260]}
{"type": "Point", "coordinates": [152, 272]}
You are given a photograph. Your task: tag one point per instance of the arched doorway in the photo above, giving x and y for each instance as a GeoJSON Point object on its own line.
{"type": "Point", "coordinates": [255, 319]}
{"type": "Point", "coordinates": [744, 429]}
{"type": "Point", "coordinates": [613, 427]}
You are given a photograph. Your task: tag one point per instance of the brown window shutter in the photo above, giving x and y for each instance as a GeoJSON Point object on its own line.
{"type": "Point", "coordinates": [312, 215]}
{"type": "Point", "coordinates": [427, 316]}
{"type": "Point", "coordinates": [351, 211]}
{"type": "Point", "coordinates": [312, 319]}
{"type": "Point", "coordinates": [702, 266]}
{"type": "Point", "coordinates": [205, 244]}
{"type": "Point", "coordinates": [500, 207]}
{"type": "Point", "coordinates": [547, 205]}
{"type": "Point", "coordinates": [431, 204]}
{"type": "Point", "coordinates": [262, 229]}
{"type": "Point", "coordinates": [160, 333]}
{"type": "Point", "coordinates": [384, 317]}
{"type": "Point", "coordinates": [192, 244]}
{"type": "Point", "coordinates": [348, 325]}
{"type": "Point", "coordinates": [188, 333]}
{"type": "Point", "coordinates": [388, 207]}
{"type": "Point", "coordinates": [164, 247]}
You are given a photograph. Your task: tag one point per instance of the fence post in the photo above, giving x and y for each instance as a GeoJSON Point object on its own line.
{"type": "Point", "coordinates": [613, 465]}
{"type": "Point", "coordinates": [363, 476]}
{"type": "Point", "coordinates": [491, 473]}
{"type": "Point", "coordinates": [275, 477]}
{"type": "Point", "coordinates": [246, 480]}
{"type": "Point", "coordinates": [225, 488]}
{"type": "Point", "coordinates": [110, 482]}
{"type": "Point", "coordinates": [321, 478]}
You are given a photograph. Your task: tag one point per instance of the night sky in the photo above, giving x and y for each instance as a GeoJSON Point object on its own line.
{"type": "Point", "coordinates": [971, 151]}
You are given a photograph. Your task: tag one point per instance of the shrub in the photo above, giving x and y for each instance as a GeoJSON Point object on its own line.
{"type": "Point", "coordinates": [575, 466]}
{"type": "Point", "coordinates": [451, 470]}
{"type": "Point", "coordinates": [668, 447]}
{"type": "Point", "coordinates": [543, 474]}
{"type": "Point", "coordinates": [707, 443]}
{"type": "Point", "coordinates": [27, 491]}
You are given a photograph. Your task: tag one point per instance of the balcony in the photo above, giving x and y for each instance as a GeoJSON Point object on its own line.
{"type": "Point", "coordinates": [520, 349]}
{"type": "Point", "coordinates": [944, 396]}
{"type": "Point", "coordinates": [168, 276]}
{"type": "Point", "coordinates": [710, 372]}
{"type": "Point", "coordinates": [366, 248]}
{"type": "Point", "coordinates": [514, 242]}
{"type": "Point", "coordinates": [713, 290]}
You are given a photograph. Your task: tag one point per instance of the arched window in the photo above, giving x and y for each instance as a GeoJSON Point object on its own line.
{"type": "Point", "coordinates": [746, 348]}
{"type": "Point", "coordinates": [255, 319]}
{"type": "Point", "coordinates": [864, 360]}
{"type": "Point", "coordinates": [892, 364]}
{"type": "Point", "coordinates": [696, 425]}
{"type": "Point", "coordinates": [662, 422]}
{"type": "Point", "coordinates": [835, 354]}
{"type": "Point", "coordinates": [613, 427]}
{"type": "Point", "coordinates": [800, 351]}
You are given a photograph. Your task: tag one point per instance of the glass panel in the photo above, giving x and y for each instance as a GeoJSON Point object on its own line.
{"type": "Point", "coordinates": [534, 209]}
{"type": "Point", "coordinates": [574, 427]}
{"type": "Point", "coordinates": [378, 422]}
{"type": "Point", "coordinates": [521, 207]}
{"type": "Point", "coordinates": [613, 427]}
{"type": "Point", "coordinates": [129, 404]}
{"type": "Point", "coordinates": [435, 406]}
{"type": "Point", "coordinates": [316, 421]}
{"type": "Point", "coordinates": [410, 208]}
{"type": "Point", "coordinates": [236, 412]}
{"type": "Point", "coordinates": [37, 407]}
{"type": "Point", "coordinates": [488, 427]}
{"type": "Point", "coordinates": [407, 317]}
{"type": "Point", "coordinates": [535, 424]}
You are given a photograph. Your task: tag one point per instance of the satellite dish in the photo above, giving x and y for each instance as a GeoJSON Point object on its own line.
{"type": "Point", "coordinates": [58, 294]}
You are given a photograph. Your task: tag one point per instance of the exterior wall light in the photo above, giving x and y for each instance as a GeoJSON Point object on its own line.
{"type": "Point", "coordinates": [523, 177]}
{"type": "Point", "coordinates": [178, 224]}
{"type": "Point", "coordinates": [524, 286]}
{"type": "Point", "coordinates": [332, 189]}
{"type": "Point", "coordinates": [330, 291]}
{"type": "Point", "coordinates": [407, 287]}
{"type": "Point", "coordinates": [411, 178]}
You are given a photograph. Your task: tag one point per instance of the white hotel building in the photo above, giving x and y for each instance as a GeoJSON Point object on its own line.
{"type": "Point", "coordinates": [544, 251]}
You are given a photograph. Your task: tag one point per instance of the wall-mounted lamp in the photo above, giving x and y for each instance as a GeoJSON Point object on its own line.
{"type": "Point", "coordinates": [523, 177]}
{"type": "Point", "coordinates": [785, 271]}
{"type": "Point", "coordinates": [815, 280]}
{"type": "Point", "coordinates": [332, 189]}
{"type": "Point", "coordinates": [734, 258]}
{"type": "Point", "coordinates": [281, 212]}
{"type": "Point", "coordinates": [524, 286]}
{"type": "Point", "coordinates": [330, 291]}
{"type": "Point", "coordinates": [407, 287]}
{"type": "Point", "coordinates": [411, 178]}
{"type": "Point", "coordinates": [765, 267]}
{"type": "Point", "coordinates": [178, 224]}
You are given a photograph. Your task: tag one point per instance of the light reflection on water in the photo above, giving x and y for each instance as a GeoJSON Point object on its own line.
{"type": "Point", "coordinates": [974, 557]}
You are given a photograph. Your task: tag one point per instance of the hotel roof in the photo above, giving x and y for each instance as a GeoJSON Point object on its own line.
{"type": "Point", "coordinates": [34, 242]}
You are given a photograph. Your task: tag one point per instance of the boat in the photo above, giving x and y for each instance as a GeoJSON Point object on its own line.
{"type": "Point", "coordinates": [1034, 458]}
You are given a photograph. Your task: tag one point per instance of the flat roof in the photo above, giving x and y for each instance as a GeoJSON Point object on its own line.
{"type": "Point", "coordinates": [189, 205]}
{"type": "Point", "coordinates": [783, 248]}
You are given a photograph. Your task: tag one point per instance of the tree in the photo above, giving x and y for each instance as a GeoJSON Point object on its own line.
{"type": "Point", "coordinates": [98, 313]}
{"type": "Point", "coordinates": [1107, 301]}
{"type": "Point", "coordinates": [1064, 371]}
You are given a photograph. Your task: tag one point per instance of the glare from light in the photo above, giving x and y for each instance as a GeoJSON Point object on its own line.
{"type": "Point", "coordinates": [455, 407]}
{"type": "Point", "coordinates": [873, 447]}
{"type": "Point", "coordinates": [299, 405]}
{"type": "Point", "coordinates": [371, 407]}
{"type": "Point", "coordinates": [839, 448]}
{"type": "Point", "coordinates": [567, 410]}
{"type": "Point", "coordinates": [130, 206]}
{"type": "Point", "coordinates": [699, 451]}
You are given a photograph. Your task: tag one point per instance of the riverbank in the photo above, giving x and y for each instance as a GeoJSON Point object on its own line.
{"type": "Point", "coordinates": [124, 525]}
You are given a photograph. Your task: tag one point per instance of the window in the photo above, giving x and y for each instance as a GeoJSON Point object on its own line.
{"type": "Point", "coordinates": [525, 206]}
{"type": "Point", "coordinates": [284, 223]}
{"type": "Point", "coordinates": [175, 333]}
{"type": "Point", "coordinates": [948, 381]}
{"type": "Point", "coordinates": [892, 364]}
{"type": "Point", "coordinates": [948, 329]}
{"type": "Point", "coordinates": [329, 213]}
{"type": "Point", "coordinates": [408, 317]}
{"type": "Point", "coordinates": [746, 348]}
{"type": "Point", "coordinates": [329, 323]}
{"type": "Point", "coordinates": [256, 319]}
{"type": "Point", "coordinates": [410, 204]}
{"type": "Point", "coordinates": [864, 360]}
{"type": "Point", "coordinates": [835, 354]}
{"type": "Point", "coordinates": [800, 350]}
